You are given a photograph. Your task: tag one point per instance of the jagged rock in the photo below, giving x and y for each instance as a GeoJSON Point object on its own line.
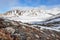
{"type": "Point", "coordinates": [10, 29]}
{"type": "Point", "coordinates": [5, 35]}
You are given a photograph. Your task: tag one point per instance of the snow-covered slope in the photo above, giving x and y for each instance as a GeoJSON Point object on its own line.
{"type": "Point", "coordinates": [29, 15]}
{"type": "Point", "coordinates": [46, 19]}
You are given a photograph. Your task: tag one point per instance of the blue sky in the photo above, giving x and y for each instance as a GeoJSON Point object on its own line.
{"type": "Point", "coordinates": [8, 4]}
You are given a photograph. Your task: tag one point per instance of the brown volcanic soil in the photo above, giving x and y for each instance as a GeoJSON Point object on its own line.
{"type": "Point", "coordinates": [13, 30]}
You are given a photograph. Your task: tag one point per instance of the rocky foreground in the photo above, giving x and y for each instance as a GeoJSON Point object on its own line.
{"type": "Point", "coordinates": [13, 30]}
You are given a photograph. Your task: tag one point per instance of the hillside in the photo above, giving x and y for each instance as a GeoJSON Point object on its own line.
{"type": "Point", "coordinates": [13, 30]}
{"type": "Point", "coordinates": [30, 24]}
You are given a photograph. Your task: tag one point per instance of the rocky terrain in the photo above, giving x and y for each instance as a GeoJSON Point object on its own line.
{"type": "Point", "coordinates": [30, 24]}
{"type": "Point", "coordinates": [13, 30]}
